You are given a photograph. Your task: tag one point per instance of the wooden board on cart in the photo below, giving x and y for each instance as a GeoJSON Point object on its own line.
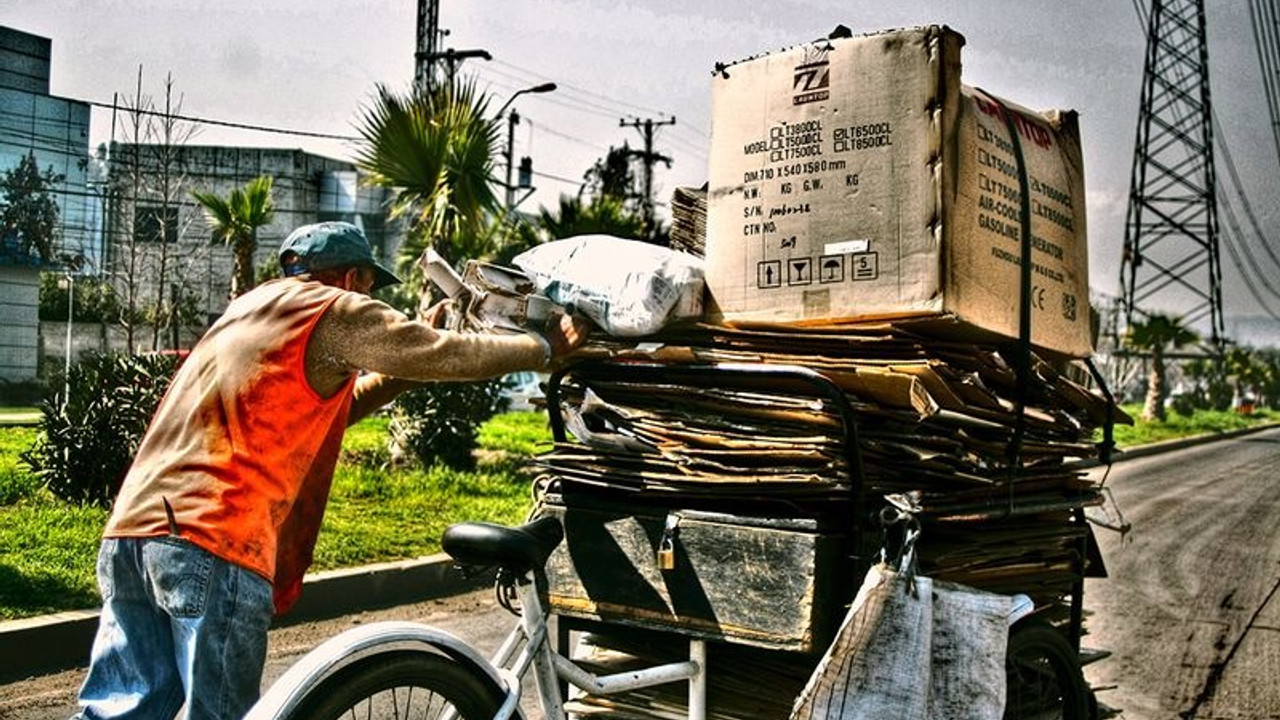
{"type": "Point", "coordinates": [760, 581]}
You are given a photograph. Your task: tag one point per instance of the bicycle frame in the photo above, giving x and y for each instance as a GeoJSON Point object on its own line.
{"type": "Point", "coordinates": [529, 645]}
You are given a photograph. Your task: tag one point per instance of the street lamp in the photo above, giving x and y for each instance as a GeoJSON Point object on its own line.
{"type": "Point", "coordinates": [513, 119]}
{"type": "Point", "coordinates": [71, 265]}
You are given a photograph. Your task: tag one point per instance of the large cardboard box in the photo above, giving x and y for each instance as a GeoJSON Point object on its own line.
{"type": "Point", "coordinates": [857, 178]}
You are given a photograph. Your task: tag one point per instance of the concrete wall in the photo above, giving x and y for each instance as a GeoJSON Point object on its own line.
{"type": "Point", "coordinates": [19, 306]}
{"type": "Point", "coordinates": [98, 337]}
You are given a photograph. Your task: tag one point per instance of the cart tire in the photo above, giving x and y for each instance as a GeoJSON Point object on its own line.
{"type": "Point", "coordinates": [391, 685]}
{"type": "Point", "coordinates": [1043, 676]}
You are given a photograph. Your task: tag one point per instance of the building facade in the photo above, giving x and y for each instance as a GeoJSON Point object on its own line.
{"type": "Point", "coordinates": [55, 132]}
{"type": "Point", "coordinates": [158, 242]}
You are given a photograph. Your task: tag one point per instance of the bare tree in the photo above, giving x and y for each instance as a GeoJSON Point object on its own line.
{"type": "Point", "coordinates": [147, 189]}
{"type": "Point", "coordinates": [168, 270]}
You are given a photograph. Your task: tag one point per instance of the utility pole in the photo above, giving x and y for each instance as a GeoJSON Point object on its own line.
{"type": "Point", "coordinates": [1171, 234]}
{"type": "Point", "coordinates": [428, 53]}
{"type": "Point", "coordinates": [428, 43]}
{"type": "Point", "coordinates": [513, 119]}
{"type": "Point", "coordinates": [648, 157]}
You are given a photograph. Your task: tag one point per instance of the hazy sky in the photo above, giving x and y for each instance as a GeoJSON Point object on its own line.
{"type": "Point", "coordinates": [310, 65]}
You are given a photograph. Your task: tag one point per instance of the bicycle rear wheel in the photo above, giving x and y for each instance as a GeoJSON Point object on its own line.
{"type": "Point", "coordinates": [1044, 678]}
{"type": "Point", "coordinates": [399, 685]}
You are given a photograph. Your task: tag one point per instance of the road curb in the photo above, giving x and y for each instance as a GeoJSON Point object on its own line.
{"type": "Point", "coordinates": [1164, 446]}
{"type": "Point", "coordinates": [61, 641]}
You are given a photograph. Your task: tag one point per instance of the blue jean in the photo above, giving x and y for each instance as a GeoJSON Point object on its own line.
{"type": "Point", "coordinates": [178, 626]}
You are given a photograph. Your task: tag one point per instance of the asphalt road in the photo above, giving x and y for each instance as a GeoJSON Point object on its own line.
{"type": "Point", "coordinates": [1190, 609]}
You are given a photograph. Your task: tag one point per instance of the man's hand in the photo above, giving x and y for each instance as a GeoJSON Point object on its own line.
{"type": "Point", "coordinates": [437, 316]}
{"type": "Point", "coordinates": [566, 333]}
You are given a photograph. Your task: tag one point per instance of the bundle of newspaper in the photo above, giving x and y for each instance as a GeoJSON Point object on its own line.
{"type": "Point", "coordinates": [689, 220]}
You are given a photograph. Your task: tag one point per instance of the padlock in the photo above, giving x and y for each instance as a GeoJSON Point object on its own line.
{"type": "Point", "coordinates": [666, 554]}
{"type": "Point", "coordinates": [666, 557]}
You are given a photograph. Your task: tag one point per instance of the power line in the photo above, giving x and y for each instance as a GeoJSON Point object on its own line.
{"type": "Point", "coordinates": [223, 123]}
{"type": "Point", "coordinates": [612, 101]}
{"type": "Point", "coordinates": [1263, 18]}
{"type": "Point", "coordinates": [589, 101]}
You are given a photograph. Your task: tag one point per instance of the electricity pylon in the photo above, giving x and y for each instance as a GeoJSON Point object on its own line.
{"type": "Point", "coordinates": [1171, 260]}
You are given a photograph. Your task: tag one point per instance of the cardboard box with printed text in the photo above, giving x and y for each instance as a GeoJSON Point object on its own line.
{"type": "Point", "coordinates": [857, 178]}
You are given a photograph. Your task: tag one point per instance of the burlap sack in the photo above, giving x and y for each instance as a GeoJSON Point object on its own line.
{"type": "Point", "coordinates": [933, 654]}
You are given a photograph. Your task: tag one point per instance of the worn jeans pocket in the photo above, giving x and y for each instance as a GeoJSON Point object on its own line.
{"type": "Point", "coordinates": [106, 578]}
{"type": "Point", "coordinates": [179, 573]}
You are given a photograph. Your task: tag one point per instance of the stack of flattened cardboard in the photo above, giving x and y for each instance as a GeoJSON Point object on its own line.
{"type": "Point", "coordinates": [933, 417]}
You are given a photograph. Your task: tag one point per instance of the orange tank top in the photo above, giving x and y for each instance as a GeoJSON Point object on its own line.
{"type": "Point", "coordinates": [240, 454]}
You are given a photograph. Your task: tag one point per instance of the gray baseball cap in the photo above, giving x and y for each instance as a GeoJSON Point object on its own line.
{"type": "Point", "coordinates": [328, 245]}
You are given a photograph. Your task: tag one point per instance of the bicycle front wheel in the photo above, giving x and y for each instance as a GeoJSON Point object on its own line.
{"type": "Point", "coordinates": [1044, 678]}
{"type": "Point", "coordinates": [394, 686]}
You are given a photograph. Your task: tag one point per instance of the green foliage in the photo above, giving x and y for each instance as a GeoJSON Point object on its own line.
{"type": "Point", "coordinates": [521, 433]}
{"type": "Point", "coordinates": [236, 220]}
{"type": "Point", "coordinates": [436, 149]}
{"type": "Point", "coordinates": [375, 515]}
{"type": "Point", "coordinates": [1179, 425]}
{"type": "Point", "coordinates": [92, 425]}
{"type": "Point", "coordinates": [438, 422]}
{"type": "Point", "coordinates": [1211, 389]}
{"type": "Point", "coordinates": [604, 214]}
{"type": "Point", "coordinates": [365, 443]}
{"type": "Point", "coordinates": [28, 211]}
{"type": "Point", "coordinates": [1156, 334]}
{"type": "Point", "coordinates": [612, 175]}
{"type": "Point", "coordinates": [613, 181]}
{"type": "Point", "coordinates": [184, 309]}
{"type": "Point", "coordinates": [95, 299]}
{"type": "Point", "coordinates": [16, 481]}
{"type": "Point", "coordinates": [263, 273]}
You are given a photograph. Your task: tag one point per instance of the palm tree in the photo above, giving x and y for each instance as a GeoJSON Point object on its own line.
{"type": "Point", "coordinates": [436, 148]}
{"type": "Point", "coordinates": [235, 220]}
{"type": "Point", "coordinates": [1157, 334]}
{"type": "Point", "coordinates": [1248, 371]}
{"type": "Point", "coordinates": [602, 214]}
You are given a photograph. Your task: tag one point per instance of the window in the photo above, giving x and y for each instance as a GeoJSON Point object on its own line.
{"type": "Point", "coordinates": [155, 223]}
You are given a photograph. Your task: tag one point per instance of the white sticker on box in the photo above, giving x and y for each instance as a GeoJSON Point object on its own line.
{"type": "Point", "coordinates": [846, 246]}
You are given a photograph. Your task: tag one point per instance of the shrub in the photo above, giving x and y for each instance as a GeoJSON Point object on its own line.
{"type": "Point", "coordinates": [92, 425]}
{"type": "Point", "coordinates": [440, 421]}
{"type": "Point", "coordinates": [95, 299]}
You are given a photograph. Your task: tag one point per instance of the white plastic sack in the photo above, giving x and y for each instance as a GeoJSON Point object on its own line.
{"type": "Point", "coordinates": [935, 654]}
{"type": "Point", "coordinates": [627, 287]}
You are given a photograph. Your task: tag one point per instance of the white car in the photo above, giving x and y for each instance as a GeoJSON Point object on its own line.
{"type": "Point", "coordinates": [524, 390]}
